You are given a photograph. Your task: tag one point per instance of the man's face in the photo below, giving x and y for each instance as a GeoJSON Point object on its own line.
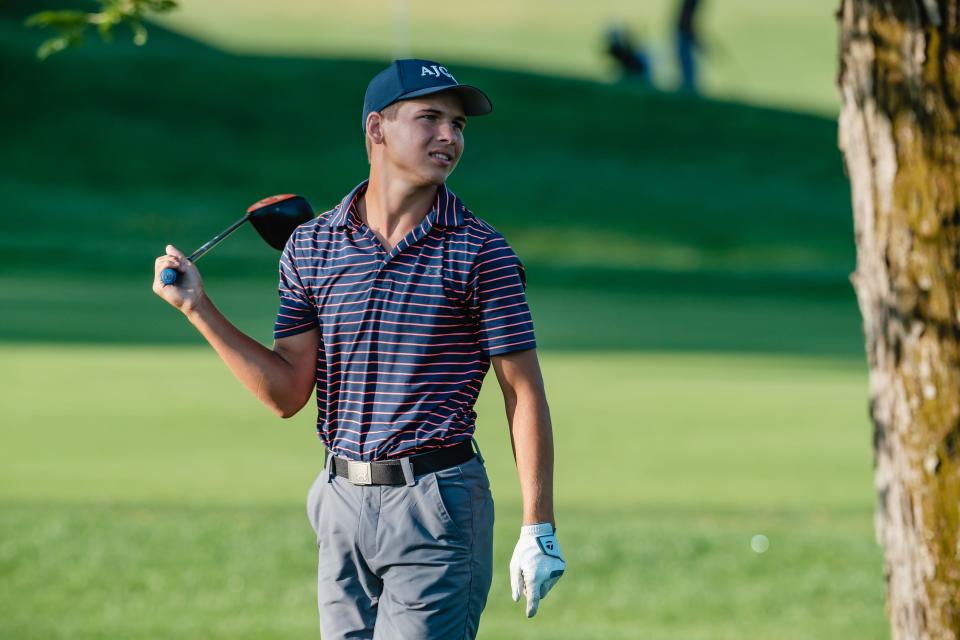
{"type": "Point", "coordinates": [425, 139]}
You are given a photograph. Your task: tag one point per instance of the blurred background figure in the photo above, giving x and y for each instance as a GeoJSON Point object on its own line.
{"type": "Point", "coordinates": [687, 45]}
{"type": "Point", "coordinates": [632, 60]}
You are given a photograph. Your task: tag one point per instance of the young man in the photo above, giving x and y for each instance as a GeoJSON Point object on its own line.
{"type": "Point", "coordinates": [394, 304]}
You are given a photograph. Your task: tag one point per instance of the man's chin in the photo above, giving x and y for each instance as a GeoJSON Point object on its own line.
{"type": "Point", "coordinates": [425, 176]}
{"type": "Point", "coordinates": [435, 177]}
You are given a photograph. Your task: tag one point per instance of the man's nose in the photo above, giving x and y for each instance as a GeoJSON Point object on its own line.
{"type": "Point", "coordinates": [446, 132]}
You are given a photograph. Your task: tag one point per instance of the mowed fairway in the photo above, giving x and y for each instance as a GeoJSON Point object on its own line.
{"type": "Point", "coordinates": [687, 268]}
{"type": "Point", "coordinates": [154, 499]}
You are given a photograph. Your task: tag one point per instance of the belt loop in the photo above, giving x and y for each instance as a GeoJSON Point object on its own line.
{"type": "Point", "coordinates": [407, 471]}
{"type": "Point", "coordinates": [477, 447]}
{"type": "Point", "coordinates": [328, 464]}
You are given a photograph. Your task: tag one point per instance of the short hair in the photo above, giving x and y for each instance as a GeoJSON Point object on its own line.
{"type": "Point", "coordinates": [389, 112]}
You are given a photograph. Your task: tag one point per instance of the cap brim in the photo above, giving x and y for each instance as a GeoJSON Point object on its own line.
{"type": "Point", "coordinates": [475, 102]}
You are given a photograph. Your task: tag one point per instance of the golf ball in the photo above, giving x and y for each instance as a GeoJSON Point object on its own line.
{"type": "Point", "coordinates": [759, 543]}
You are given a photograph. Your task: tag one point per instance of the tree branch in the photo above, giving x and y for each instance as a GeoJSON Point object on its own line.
{"type": "Point", "coordinates": [72, 25]}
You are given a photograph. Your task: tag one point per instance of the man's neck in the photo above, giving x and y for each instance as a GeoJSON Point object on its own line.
{"type": "Point", "coordinates": [394, 207]}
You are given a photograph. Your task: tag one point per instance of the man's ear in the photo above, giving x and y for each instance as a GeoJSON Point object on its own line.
{"type": "Point", "coordinates": [375, 127]}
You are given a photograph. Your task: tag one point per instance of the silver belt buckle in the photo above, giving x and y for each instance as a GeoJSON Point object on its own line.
{"type": "Point", "coordinates": [359, 472]}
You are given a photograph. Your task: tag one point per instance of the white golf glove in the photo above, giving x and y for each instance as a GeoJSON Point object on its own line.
{"type": "Point", "coordinates": [536, 565]}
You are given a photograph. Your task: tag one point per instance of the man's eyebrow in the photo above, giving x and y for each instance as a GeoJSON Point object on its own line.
{"type": "Point", "coordinates": [439, 112]}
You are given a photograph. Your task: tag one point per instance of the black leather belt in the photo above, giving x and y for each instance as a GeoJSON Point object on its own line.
{"type": "Point", "coordinates": [391, 472]}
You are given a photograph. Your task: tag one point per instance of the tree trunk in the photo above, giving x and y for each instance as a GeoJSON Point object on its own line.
{"type": "Point", "coordinates": [900, 84]}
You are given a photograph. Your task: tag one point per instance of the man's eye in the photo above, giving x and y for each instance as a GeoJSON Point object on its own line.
{"type": "Point", "coordinates": [458, 125]}
{"type": "Point", "coordinates": [429, 116]}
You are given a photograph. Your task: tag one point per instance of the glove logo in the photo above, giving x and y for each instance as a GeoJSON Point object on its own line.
{"type": "Point", "coordinates": [549, 546]}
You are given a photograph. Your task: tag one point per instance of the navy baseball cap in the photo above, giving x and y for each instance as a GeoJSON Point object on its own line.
{"type": "Point", "coordinates": [410, 78]}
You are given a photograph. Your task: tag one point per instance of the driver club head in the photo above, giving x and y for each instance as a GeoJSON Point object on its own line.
{"type": "Point", "coordinates": [276, 217]}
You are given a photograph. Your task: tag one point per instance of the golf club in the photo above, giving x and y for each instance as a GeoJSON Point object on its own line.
{"type": "Point", "coordinates": [274, 218]}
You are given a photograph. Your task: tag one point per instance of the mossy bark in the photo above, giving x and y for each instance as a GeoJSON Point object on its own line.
{"type": "Point", "coordinates": [899, 80]}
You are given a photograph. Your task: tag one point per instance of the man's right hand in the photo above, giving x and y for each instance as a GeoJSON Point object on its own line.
{"type": "Point", "coordinates": [187, 292]}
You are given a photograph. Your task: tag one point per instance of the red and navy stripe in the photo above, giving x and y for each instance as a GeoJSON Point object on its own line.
{"type": "Point", "coordinates": [406, 336]}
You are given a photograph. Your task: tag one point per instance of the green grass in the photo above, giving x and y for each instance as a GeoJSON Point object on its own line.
{"type": "Point", "coordinates": [163, 571]}
{"type": "Point", "coordinates": [108, 156]}
{"type": "Point", "coordinates": [155, 499]}
{"type": "Point", "coordinates": [106, 168]}
{"type": "Point", "coordinates": [170, 423]}
{"type": "Point", "coordinates": [687, 267]}
{"type": "Point", "coordinates": [735, 317]}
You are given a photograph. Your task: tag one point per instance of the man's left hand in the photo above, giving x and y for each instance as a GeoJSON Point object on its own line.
{"type": "Point", "coordinates": [536, 565]}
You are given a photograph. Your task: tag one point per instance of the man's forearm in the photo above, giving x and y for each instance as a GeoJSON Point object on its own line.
{"type": "Point", "coordinates": [264, 372]}
{"type": "Point", "coordinates": [532, 436]}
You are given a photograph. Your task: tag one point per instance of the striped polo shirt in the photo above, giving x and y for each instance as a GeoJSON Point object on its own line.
{"type": "Point", "coordinates": [406, 336]}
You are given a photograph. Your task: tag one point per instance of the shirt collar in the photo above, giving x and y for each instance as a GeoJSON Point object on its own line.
{"type": "Point", "coordinates": [447, 209]}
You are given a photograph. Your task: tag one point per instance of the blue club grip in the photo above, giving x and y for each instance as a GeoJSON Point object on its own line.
{"type": "Point", "coordinates": [169, 276]}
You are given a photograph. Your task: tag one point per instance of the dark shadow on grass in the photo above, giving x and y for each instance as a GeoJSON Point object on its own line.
{"type": "Point", "coordinates": [646, 220]}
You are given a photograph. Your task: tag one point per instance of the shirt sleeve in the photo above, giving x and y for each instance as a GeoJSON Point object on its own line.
{"type": "Point", "coordinates": [497, 297]}
{"type": "Point", "coordinates": [297, 311]}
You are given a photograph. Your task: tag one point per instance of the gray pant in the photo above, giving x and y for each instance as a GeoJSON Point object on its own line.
{"type": "Point", "coordinates": [407, 562]}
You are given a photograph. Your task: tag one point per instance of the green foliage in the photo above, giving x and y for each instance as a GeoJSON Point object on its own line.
{"type": "Point", "coordinates": [71, 25]}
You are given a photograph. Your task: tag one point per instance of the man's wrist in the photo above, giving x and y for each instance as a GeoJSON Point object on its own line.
{"type": "Point", "coordinates": [538, 529]}
{"type": "Point", "coordinates": [196, 310]}
{"type": "Point", "coordinates": [527, 521]}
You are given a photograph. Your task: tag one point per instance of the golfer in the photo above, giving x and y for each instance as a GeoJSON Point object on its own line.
{"type": "Point", "coordinates": [393, 305]}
